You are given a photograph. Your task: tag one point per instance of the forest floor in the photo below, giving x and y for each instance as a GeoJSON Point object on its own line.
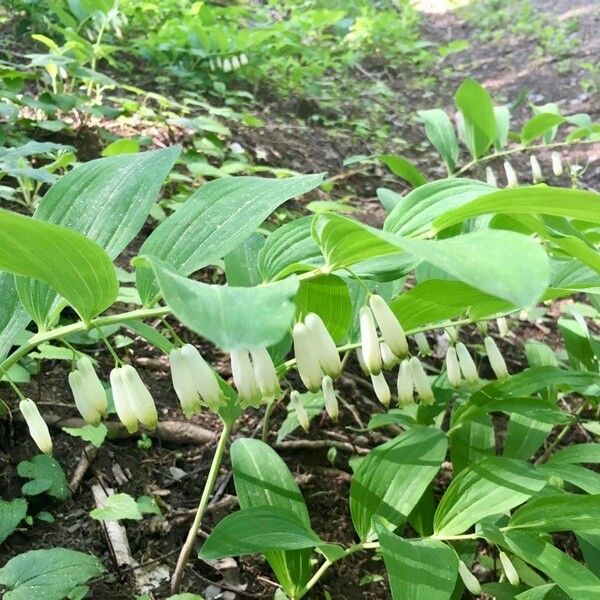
{"type": "Point", "coordinates": [174, 471]}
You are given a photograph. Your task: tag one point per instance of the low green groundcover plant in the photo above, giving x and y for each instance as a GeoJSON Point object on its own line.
{"type": "Point", "coordinates": [452, 252]}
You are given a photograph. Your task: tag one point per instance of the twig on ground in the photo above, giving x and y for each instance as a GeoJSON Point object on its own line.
{"type": "Point", "coordinates": [88, 456]}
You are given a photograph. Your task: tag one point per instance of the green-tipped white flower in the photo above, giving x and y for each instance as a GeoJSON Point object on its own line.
{"type": "Point", "coordinates": [405, 383]}
{"type": "Point", "coordinates": [421, 381]}
{"type": "Point", "coordinates": [369, 341]}
{"type": "Point", "coordinates": [557, 166]}
{"type": "Point", "coordinates": [265, 374]}
{"type": "Point", "coordinates": [502, 325]}
{"type": "Point", "coordinates": [88, 392]}
{"type": "Point", "coordinates": [388, 358]}
{"type": "Point", "coordinates": [511, 176]}
{"type": "Point", "coordinates": [37, 426]}
{"type": "Point", "coordinates": [122, 400]}
{"type": "Point", "coordinates": [226, 65]}
{"type": "Point", "coordinates": [452, 367]}
{"type": "Point", "coordinates": [301, 413]}
{"type": "Point", "coordinates": [307, 360]}
{"type": "Point", "coordinates": [235, 62]}
{"type": "Point", "coordinates": [467, 365]}
{"type": "Point", "coordinates": [382, 389]}
{"type": "Point", "coordinates": [471, 582]}
{"type": "Point", "coordinates": [422, 344]}
{"type": "Point", "coordinates": [390, 327]}
{"type": "Point", "coordinates": [361, 361]}
{"type": "Point", "coordinates": [183, 382]}
{"type": "Point", "coordinates": [495, 357]}
{"type": "Point", "coordinates": [140, 398]}
{"type": "Point", "coordinates": [490, 177]}
{"type": "Point", "coordinates": [509, 570]}
{"type": "Point", "coordinates": [244, 379]}
{"type": "Point", "coordinates": [331, 403]}
{"type": "Point", "coordinates": [326, 350]}
{"type": "Point", "coordinates": [536, 170]}
{"type": "Point", "coordinates": [243, 59]}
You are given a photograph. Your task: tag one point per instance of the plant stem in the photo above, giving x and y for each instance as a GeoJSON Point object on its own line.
{"type": "Point", "coordinates": [266, 418]}
{"type": "Point", "coordinates": [188, 546]}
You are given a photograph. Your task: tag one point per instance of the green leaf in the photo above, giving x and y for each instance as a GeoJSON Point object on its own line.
{"type": "Point", "coordinates": [108, 201]}
{"type": "Point", "coordinates": [538, 126]}
{"type": "Point", "coordinates": [233, 318]}
{"type": "Point", "coordinates": [46, 475]}
{"type": "Point", "coordinates": [241, 264]}
{"type": "Point", "coordinates": [580, 477]}
{"type": "Point", "coordinates": [440, 132]}
{"type": "Point", "coordinates": [577, 453]}
{"type": "Point", "coordinates": [13, 316]}
{"type": "Point", "coordinates": [472, 441]}
{"type": "Point", "coordinates": [214, 221]}
{"type": "Point", "coordinates": [561, 202]}
{"type": "Point", "coordinates": [54, 572]}
{"type": "Point", "coordinates": [262, 479]}
{"type": "Point", "coordinates": [403, 168]}
{"type": "Point", "coordinates": [258, 530]}
{"type": "Point", "coordinates": [328, 296]}
{"type": "Point", "coordinates": [11, 514]}
{"type": "Point", "coordinates": [564, 512]}
{"type": "Point", "coordinates": [543, 592]}
{"type": "Point", "coordinates": [477, 109]}
{"type": "Point", "coordinates": [418, 569]}
{"type": "Point", "coordinates": [392, 477]}
{"type": "Point", "coordinates": [148, 505]}
{"type": "Point", "coordinates": [488, 487]}
{"type": "Point", "coordinates": [416, 211]}
{"type": "Point", "coordinates": [502, 117]}
{"type": "Point", "coordinates": [151, 335]}
{"type": "Point", "coordinates": [122, 146]}
{"type": "Point", "coordinates": [117, 507]}
{"type": "Point", "coordinates": [577, 581]}
{"type": "Point", "coordinates": [288, 249]}
{"type": "Point", "coordinates": [73, 265]}
{"type": "Point", "coordinates": [89, 433]}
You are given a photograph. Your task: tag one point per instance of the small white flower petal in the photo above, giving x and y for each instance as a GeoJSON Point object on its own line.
{"type": "Point", "coordinates": [327, 352]}
{"type": "Point", "coordinates": [382, 389]}
{"type": "Point", "coordinates": [471, 582]}
{"type": "Point", "coordinates": [536, 170]}
{"type": "Point", "coordinates": [264, 373]}
{"type": "Point", "coordinates": [307, 361]}
{"type": "Point", "coordinates": [301, 413]}
{"type": "Point", "coordinates": [37, 426]}
{"type": "Point", "coordinates": [369, 341]}
{"type": "Point", "coordinates": [452, 367]}
{"type": "Point", "coordinates": [94, 388]}
{"type": "Point", "coordinates": [390, 327]}
{"type": "Point", "coordinates": [204, 378]}
{"type": "Point", "coordinates": [361, 361]}
{"type": "Point", "coordinates": [495, 357]}
{"type": "Point", "coordinates": [81, 396]}
{"type": "Point", "coordinates": [183, 383]}
{"type": "Point", "coordinates": [389, 359]}
{"type": "Point", "coordinates": [421, 381]}
{"type": "Point", "coordinates": [405, 383]}
{"type": "Point", "coordinates": [243, 377]}
{"type": "Point", "coordinates": [467, 364]}
{"type": "Point", "coordinates": [509, 569]}
{"type": "Point", "coordinates": [140, 398]}
{"type": "Point", "coordinates": [490, 177]}
{"type": "Point", "coordinates": [422, 344]}
{"type": "Point", "coordinates": [122, 400]}
{"type": "Point", "coordinates": [502, 324]}
{"type": "Point", "coordinates": [511, 176]}
{"type": "Point", "coordinates": [557, 166]}
{"type": "Point", "coordinates": [331, 403]}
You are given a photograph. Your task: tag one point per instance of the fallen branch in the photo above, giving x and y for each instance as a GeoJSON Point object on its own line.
{"type": "Point", "coordinates": [88, 456]}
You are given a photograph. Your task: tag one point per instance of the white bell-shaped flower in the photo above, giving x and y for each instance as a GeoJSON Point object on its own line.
{"type": "Point", "coordinates": [389, 359]}
{"type": "Point", "coordinates": [382, 389]}
{"type": "Point", "coordinates": [327, 352]}
{"type": "Point", "coordinates": [122, 400]}
{"type": "Point", "coordinates": [361, 361]}
{"type": "Point", "coordinates": [265, 374]}
{"type": "Point", "coordinates": [470, 581]}
{"type": "Point", "coordinates": [184, 384]}
{"type": "Point", "coordinates": [422, 344]}
{"type": "Point", "coordinates": [307, 361]}
{"type": "Point", "coordinates": [88, 391]}
{"type": "Point", "coordinates": [82, 400]}
{"type": "Point", "coordinates": [390, 327]}
{"type": "Point", "coordinates": [502, 325]}
{"type": "Point", "coordinates": [331, 403]}
{"type": "Point", "coordinates": [405, 383]}
{"type": "Point", "coordinates": [467, 364]}
{"type": "Point", "coordinates": [509, 569]}
{"type": "Point", "coordinates": [490, 177]}
{"type": "Point", "coordinates": [421, 381]}
{"type": "Point", "coordinates": [301, 413]}
{"type": "Point", "coordinates": [557, 166]}
{"type": "Point", "coordinates": [369, 341]}
{"type": "Point", "coordinates": [204, 378]}
{"type": "Point", "coordinates": [452, 367]}
{"type": "Point", "coordinates": [495, 357]}
{"type": "Point", "coordinates": [244, 379]}
{"type": "Point", "coordinates": [536, 170]}
{"type": "Point", "coordinates": [140, 398]}
{"type": "Point", "coordinates": [511, 176]}
{"type": "Point", "coordinates": [37, 426]}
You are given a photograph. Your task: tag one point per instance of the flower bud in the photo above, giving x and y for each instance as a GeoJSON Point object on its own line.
{"type": "Point", "coordinates": [511, 176]}
{"type": "Point", "coordinates": [509, 570]}
{"type": "Point", "coordinates": [452, 367]}
{"type": "Point", "coordinates": [490, 177]}
{"type": "Point", "coordinates": [327, 352]}
{"type": "Point", "coordinates": [183, 382]}
{"type": "Point", "coordinates": [122, 400]}
{"type": "Point", "coordinates": [361, 361]}
{"type": "Point", "coordinates": [502, 325]}
{"type": "Point", "coordinates": [557, 167]}
{"type": "Point", "coordinates": [369, 341]}
{"type": "Point", "coordinates": [243, 59]}
{"type": "Point", "coordinates": [141, 400]}
{"type": "Point", "coordinates": [94, 387]}
{"type": "Point", "coordinates": [301, 413]}
{"type": "Point", "coordinates": [235, 62]}
{"type": "Point", "coordinates": [496, 359]}
{"type": "Point", "coordinates": [421, 381]}
{"type": "Point", "coordinates": [226, 65]}
{"type": "Point", "coordinates": [389, 359]}
{"type": "Point", "coordinates": [82, 399]}
{"type": "Point", "coordinates": [471, 582]}
{"type": "Point", "coordinates": [331, 403]}
{"type": "Point", "coordinates": [307, 360]}
{"type": "Point", "coordinates": [37, 426]}
{"type": "Point", "coordinates": [452, 333]}
{"type": "Point", "coordinates": [390, 327]}
{"type": "Point", "coordinates": [382, 389]}
{"type": "Point", "coordinates": [243, 377]}
{"type": "Point", "coordinates": [536, 170]}
{"type": "Point", "coordinates": [467, 365]}
{"type": "Point", "coordinates": [265, 374]}
{"type": "Point", "coordinates": [422, 344]}
{"type": "Point", "coordinates": [405, 383]}
{"type": "Point", "coordinates": [204, 379]}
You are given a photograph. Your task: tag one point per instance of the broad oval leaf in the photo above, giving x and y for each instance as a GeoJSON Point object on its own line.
{"type": "Point", "coordinates": [538, 125]}
{"type": "Point", "coordinates": [577, 453]}
{"type": "Point", "coordinates": [11, 514]}
{"type": "Point", "coordinates": [233, 318]}
{"type": "Point", "coordinates": [77, 268]}
{"type": "Point", "coordinates": [391, 479]}
{"type": "Point", "coordinates": [440, 132]}
{"type": "Point", "coordinates": [488, 487]}
{"type": "Point", "coordinates": [215, 220]}
{"type": "Point", "coordinates": [403, 168]}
